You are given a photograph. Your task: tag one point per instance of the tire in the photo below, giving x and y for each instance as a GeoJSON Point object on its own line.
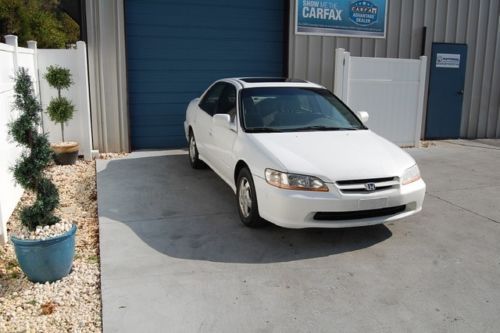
{"type": "Point", "coordinates": [246, 200]}
{"type": "Point", "coordinates": [194, 159]}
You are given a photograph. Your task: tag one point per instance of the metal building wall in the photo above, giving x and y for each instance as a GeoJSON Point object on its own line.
{"type": "Point", "coordinates": [474, 22]}
{"type": "Point", "coordinates": [107, 75]}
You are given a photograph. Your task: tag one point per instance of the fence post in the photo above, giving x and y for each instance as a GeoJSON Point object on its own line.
{"type": "Point", "coordinates": [338, 83]}
{"type": "Point", "coordinates": [3, 228]}
{"type": "Point", "coordinates": [420, 105]}
{"type": "Point", "coordinates": [346, 77]}
{"type": "Point", "coordinates": [342, 70]}
{"type": "Point", "coordinates": [12, 41]}
{"type": "Point", "coordinates": [84, 97]}
{"type": "Point", "coordinates": [32, 44]}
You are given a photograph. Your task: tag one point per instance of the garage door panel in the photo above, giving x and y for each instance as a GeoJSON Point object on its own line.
{"type": "Point", "coordinates": [219, 65]}
{"type": "Point", "coordinates": [194, 74]}
{"type": "Point", "coordinates": [161, 141]}
{"type": "Point", "coordinates": [167, 66]}
{"type": "Point", "coordinates": [193, 9]}
{"type": "Point", "coordinates": [164, 85]}
{"type": "Point", "coordinates": [170, 97]}
{"type": "Point", "coordinates": [206, 22]}
{"type": "Point", "coordinates": [176, 49]}
{"type": "Point", "coordinates": [147, 119]}
{"type": "Point", "coordinates": [157, 130]}
{"type": "Point", "coordinates": [136, 30]}
{"type": "Point", "coordinates": [211, 51]}
{"type": "Point", "coordinates": [211, 40]}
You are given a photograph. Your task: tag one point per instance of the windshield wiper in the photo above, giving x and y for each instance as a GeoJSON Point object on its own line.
{"type": "Point", "coordinates": [323, 128]}
{"type": "Point", "coordinates": [263, 130]}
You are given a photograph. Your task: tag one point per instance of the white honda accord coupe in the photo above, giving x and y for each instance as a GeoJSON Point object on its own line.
{"type": "Point", "coordinates": [296, 156]}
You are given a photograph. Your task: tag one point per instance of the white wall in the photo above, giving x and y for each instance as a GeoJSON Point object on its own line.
{"type": "Point", "coordinates": [390, 90]}
{"type": "Point", "coordinates": [36, 61]}
{"type": "Point", "coordinates": [77, 129]}
{"type": "Point", "coordinates": [10, 193]}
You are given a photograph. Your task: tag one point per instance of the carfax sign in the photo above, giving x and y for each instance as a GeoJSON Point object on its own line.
{"type": "Point", "coordinates": [354, 18]}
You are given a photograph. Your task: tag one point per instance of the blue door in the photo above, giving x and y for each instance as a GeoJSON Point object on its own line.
{"type": "Point", "coordinates": [175, 49]}
{"type": "Point", "coordinates": [446, 91]}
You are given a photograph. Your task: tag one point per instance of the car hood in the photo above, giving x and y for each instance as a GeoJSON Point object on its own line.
{"type": "Point", "coordinates": [335, 155]}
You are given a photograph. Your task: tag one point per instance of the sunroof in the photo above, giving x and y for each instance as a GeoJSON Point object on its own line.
{"type": "Point", "coordinates": [269, 79]}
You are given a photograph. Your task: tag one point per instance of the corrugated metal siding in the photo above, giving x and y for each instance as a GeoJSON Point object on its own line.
{"type": "Point", "coordinates": [107, 75]}
{"type": "Point", "coordinates": [473, 22]}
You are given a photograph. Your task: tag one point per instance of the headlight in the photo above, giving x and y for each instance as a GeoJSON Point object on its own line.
{"type": "Point", "coordinates": [292, 181]}
{"type": "Point", "coordinates": [410, 175]}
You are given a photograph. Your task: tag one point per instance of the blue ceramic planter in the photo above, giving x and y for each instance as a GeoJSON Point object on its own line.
{"type": "Point", "coordinates": [46, 260]}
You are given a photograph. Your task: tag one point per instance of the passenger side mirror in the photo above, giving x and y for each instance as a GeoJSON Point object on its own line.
{"type": "Point", "coordinates": [363, 116]}
{"type": "Point", "coordinates": [222, 120]}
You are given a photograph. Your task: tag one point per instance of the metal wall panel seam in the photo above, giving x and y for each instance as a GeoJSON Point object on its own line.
{"type": "Point", "coordinates": [123, 114]}
{"type": "Point", "coordinates": [478, 71]}
{"type": "Point", "coordinates": [470, 39]}
{"type": "Point", "coordinates": [487, 69]}
{"type": "Point", "coordinates": [462, 21]}
{"type": "Point", "coordinates": [495, 96]}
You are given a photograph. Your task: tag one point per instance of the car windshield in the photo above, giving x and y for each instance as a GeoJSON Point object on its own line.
{"type": "Point", "coordinates": [287, 109]}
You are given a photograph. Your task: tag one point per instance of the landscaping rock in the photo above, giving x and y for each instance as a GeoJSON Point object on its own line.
{"type": "Point", "coordinates": [72, 304]}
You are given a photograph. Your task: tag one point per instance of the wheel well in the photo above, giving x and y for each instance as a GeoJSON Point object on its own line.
{"type": "Point", "coordinates": [240, 165]}
{"type": "Point", "coordinates": [190, 130]}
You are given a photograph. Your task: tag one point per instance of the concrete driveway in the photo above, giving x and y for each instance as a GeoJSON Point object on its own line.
{"type": "Point", "coordinates": [175, 257]}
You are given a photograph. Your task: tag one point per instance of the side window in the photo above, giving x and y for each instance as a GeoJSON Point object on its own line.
{"type": "Point", "coordinates": [211, 98]}
{"type": "Point", "coordinates": [227, 101]}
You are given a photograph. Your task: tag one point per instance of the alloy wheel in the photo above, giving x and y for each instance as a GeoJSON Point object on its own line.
{"type": "Point", "coordinates": [245, 197]}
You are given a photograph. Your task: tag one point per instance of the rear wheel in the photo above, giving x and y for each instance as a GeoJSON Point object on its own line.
{"type": "Point", "coordinates": [194, 159]}
{"type": "Point", "coordinates": [247, 200]}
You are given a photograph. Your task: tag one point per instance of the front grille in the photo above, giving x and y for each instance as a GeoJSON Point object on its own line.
{"type": "Point", "coordinates": [358, 185]}
{"type": "Point", "coordinates": [360, 214]}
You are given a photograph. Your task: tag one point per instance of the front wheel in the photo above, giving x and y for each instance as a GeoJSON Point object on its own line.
{"type": "Point", "coordinates": [247, 200]}
{"type": "Point", "coordinates": [194, 159]}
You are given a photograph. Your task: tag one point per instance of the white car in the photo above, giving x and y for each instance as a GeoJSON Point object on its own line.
{"type": "Point", "coordinates": [296, 156]}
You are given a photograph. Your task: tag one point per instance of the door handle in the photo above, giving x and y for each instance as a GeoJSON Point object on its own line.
{"type": "Point", "coordinates": [460, 92]}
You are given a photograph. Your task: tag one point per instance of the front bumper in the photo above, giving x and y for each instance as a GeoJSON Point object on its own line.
{"type": "Point", "coordinates": [296, 209]}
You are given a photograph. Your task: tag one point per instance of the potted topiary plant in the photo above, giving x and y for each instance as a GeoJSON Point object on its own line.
{"type": "Point", "coordinates": [60, 111]}
{"type": "Point", "coordinates": [45, 246]}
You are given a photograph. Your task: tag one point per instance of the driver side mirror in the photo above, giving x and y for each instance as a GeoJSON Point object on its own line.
{"type": "Point", "coordinates": [363, 116]}
{"type": "Point", "coordinates": [222, 120]}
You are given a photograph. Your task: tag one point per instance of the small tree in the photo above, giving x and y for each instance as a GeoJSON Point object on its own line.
{"type": "Point", "coordinates": [35, 157]}
{"type": "Point", "coordinates": [60, 109]}
{"type": "Point", "coordinates": [40, 20]}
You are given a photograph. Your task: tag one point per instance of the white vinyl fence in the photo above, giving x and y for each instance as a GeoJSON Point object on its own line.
{"type": "Point", "coordinates": [36, 61]}
{"type": "Point", "coordinates": [390, 90]}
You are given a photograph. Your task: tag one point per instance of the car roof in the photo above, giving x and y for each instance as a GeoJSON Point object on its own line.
{"type": "Point", "coordinates": [255, 82]}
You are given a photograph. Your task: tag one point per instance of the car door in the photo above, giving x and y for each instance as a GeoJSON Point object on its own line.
{"type": "Point", "coordinates": [224, 137]}
{"type": "Point", "coordinates": [203, 124]}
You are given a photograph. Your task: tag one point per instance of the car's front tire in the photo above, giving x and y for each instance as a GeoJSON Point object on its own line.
{"type": "Point", "coordinates": [246, 200]}
{"type": "Point", "coordinates": [194, 159]}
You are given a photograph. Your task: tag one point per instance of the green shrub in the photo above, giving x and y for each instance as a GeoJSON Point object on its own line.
{"type": "Point", "coordinates": [39, 20]}
{"type": "Point", "coordinates": [58, 77]}
{"type": "Point", "coordinates": [60, 109]}
{"type": "Point", "coordinates": [35, 157]}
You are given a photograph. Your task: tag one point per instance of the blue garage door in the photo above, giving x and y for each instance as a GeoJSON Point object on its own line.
{"type": "Point", "coordinates": [175, 49]}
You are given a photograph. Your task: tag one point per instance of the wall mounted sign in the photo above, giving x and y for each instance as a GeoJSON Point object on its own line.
{"type": "Point", "coordinates": [447, 60]}
{"type": "Point", "coordinates": [353, 18]}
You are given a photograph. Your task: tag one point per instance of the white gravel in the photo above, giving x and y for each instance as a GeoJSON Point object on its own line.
{"type": "Point", "coordinates": [72, 304]}
{"type": "Point", "coordinates": [44, 232]}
